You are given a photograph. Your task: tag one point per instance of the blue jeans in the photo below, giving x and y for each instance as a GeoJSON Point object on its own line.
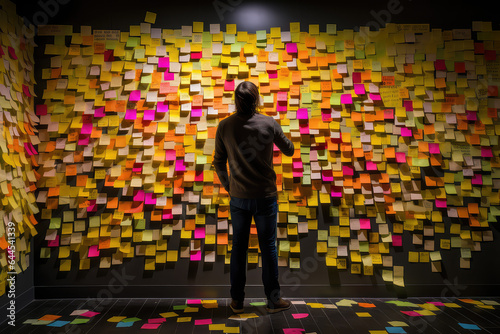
{"type": "Point", "coordinates": [265, 212]}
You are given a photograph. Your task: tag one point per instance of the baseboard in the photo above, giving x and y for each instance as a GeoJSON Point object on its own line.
{"type": "Point", "coordinates": [257, 291]}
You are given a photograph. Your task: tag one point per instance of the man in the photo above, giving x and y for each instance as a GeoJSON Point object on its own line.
{"type": "Point", "coordinates": [245, 141]}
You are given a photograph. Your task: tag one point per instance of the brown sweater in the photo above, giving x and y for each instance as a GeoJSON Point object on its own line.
{"type": "Point", "coordinates": [246, 143]}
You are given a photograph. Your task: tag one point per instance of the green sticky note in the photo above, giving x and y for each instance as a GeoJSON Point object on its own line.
{"type": "Point", "coordinates": [79, 321]}
{"type": "Point", "coordinates": [261, 35]}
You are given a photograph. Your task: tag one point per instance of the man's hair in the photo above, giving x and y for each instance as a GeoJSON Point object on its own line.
{"type": "Point", "coordinates": [246, 98]}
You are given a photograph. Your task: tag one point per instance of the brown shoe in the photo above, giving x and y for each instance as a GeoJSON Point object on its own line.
{"type": "Point", "coordinates": [236, 306]}
{"type": "Point", "coordinates": [279, 306]}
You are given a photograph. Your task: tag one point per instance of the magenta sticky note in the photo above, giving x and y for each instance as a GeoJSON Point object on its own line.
{"type": "Point", "coordinates": [131, 114]}
{"type": "Point", "coordinates": [149, 115]}
{"type": "Point", "coordinates": [300, 315]}
{"type": "Point", "coordinates": [401, 157]}
{"type": "Point", "coordinates": [411, 313]}
{"type": "Point", "coordinates": [281, 106]}
{"type": "Point", "coordinates": [198, 177]}
{"type": "Point", "coordinates": [388, 113]}
{"type": "Point", "coordinates": [436, 303]}
{"type": "Point", "coordinates": [193, 301]}
{"type": "Point", "coordinates": [139, 196]}
{"type": "Point", "coordinates": [92, 207]}
{"type": "Point", "coordinates": [168, 76]}
{"type": "Point", "coordinates": [370, 165]}
{"type": "Point", "coordinates": [336, 191]}
{"type": "Point", "coordinates": [149, 199]}
{"type": "Point", "coordinates": [347, 170]}
{"type": "Point", "coordinates": [203, 321]}
{"type": "Point", "coordinates": [196, 55]}
{"type": "Point", "coordinates": [228, 85]}
{"type": "Point", "coordinates": [53, 243]}
{"type": "Point", "coordinates": [477, 179]}
{"type": "Point", "coordinates": [93, 251]}
{"type": "Point", "coordinates": [375, 97]}
{"type": "Point", "coordinates": [304, 128]}
{"type": "Point", "coordinates": [162, 106]}
{"type": "Point", "coordinates": [156, 320]}
{"type": "Point", "coordinates": [167, 214]}
{"type": "Point", "coordinates": [297, 164]}
{"type": "Point", "coordinates": [327, 175]}
{"type": "Point", "coordinates": [364, 224]}
{"type": "Point", "coordinates": [86, 128]}
{"type": "Point", "coordinates": [397, 240]}
{"type": "Point", "coordinates": [12, 52]}
{"type": "Point", "coordinates": [297, 174]}
{"type": "Point", "coordinates": [99, 112]}
{"type": "Point", "coordinates": [440, 65]}
{"type": "Point", "coordinates": [196, 112]}
{"type": "Point", "coordinates": [434, 148]}
{"type": "Point", "coordinates": [302, 113]}
{"type": "Point", "coordinates": [195, 256]}
{"type": "Point", "coordinates": [179, 165]}
{"type": "Point", "coordinates": [89, 314]}
{"type": "Point", "coordinates": [408, 105]}
{"type": "Point", "coordinates": [356, 77]}
{"type": "Point", "coordinates": [27, 149]}
{"type": "Point", "coordinates": [359, 89]}
{"type": "Point", "coordinates": [170, 155]}
{"type": "Point", "coordinates": [406, 132]}
{"type": "Point", "coordinates": [293, 330]}
{"type": "Point", "coordinates": [441, 203]}
{"type": "Point", "coordinates": [199, 233]}
{"type": "Point", "coordinates": [135, 95]}
{"type": "Point", "coordinates": [83, 139]}
{"type": "Point", "coordinates": [291, 48]}
{"type": "Point", "coordinates": [486, 152]}
{"type": "Point", "coordinates": [26, 91]}
{"type": "Point", "coordinates": [471, 115]}
{"type": "Point", "coordinates": [163, 62]}
{"type": "Point", "coordinates": [346, 99]}
{"type": "Point", "coordinates": [150, 326]}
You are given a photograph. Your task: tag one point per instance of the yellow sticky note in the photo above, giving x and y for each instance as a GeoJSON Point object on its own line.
{"type": "Point", "coordinates": [150, 17]}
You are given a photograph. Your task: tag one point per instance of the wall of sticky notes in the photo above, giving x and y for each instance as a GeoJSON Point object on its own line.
{"type": "Point", "coordinates": [395, 171]}
{"type": "Point", "coordinates": [17, 147]}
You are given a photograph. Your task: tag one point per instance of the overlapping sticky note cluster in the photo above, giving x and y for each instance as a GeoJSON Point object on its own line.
{"type": "Point", "coordinates": [396, 132]}
{"type": "Point", "coordinates": [17, 140]}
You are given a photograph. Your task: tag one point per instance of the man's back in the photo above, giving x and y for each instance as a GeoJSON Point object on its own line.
{"type": "Point", "coordinates": [246, 142]}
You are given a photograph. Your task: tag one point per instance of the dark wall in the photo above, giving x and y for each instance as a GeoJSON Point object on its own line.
{"type": "Point", "coordinates": [185, 278]}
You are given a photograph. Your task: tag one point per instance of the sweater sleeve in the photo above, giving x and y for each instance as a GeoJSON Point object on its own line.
{"type": "Point", "coordinates": [220, 159]}
{"type": "Point", "coordinates": [282, 142]}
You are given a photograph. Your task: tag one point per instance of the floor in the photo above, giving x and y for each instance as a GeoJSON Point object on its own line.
{"type": "Point", "coordinates": [322, 315]}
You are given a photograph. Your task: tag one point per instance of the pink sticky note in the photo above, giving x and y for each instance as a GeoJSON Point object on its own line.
{"type": "Point", "coordinates": [139, 196]}
{"type": "Point", "coordinates": [169, 155]}
{"type": "Point", "coordinates": [375, 97]}
{"type": "Point", "coordinates": [92, 206]}
{"type": "Point", "coordinates": [281, 106]}
{"type": "Point", "coordinates": [168, 76]}
{"type": "Point", "coordinates": [86, 128]}
{"type": "Point", "coordinates": [199, 233]}
{"type": "Point", "coordinates": [291, 48]}
{"type": "Point", "coordinates": [440, 65]}
{"type": "Point", "coordinates": [162, 106]}
{"type": "Point", "coordinates": [93, 251]}
{"type": "Point", "coordinates": [370, 165]}
{"type": "Point", "coordinates": [388, 113]}
{"type": "Point", "coordinates": [89, 314]}
{"type": "Point", "coordinates": [198, 177]}
{"type": "Point", "coordinates": [150, 326]}
{"type": "Point", "coordinates": [99, 112]}
{"type": "Point", "coordinates": [327, 175]}
{"type": "Point", "coordinates": [203, 321]}
{"type": "Point", "coordinates": [434, 148]}
{"type": "Point", "coordinates": [167, 214]}
{"type": "Point", "coordinates": [406, 132]}
{"type": "Point", "coordinates": [272, 74]}
{"type": "Point", "coordinates": [411, 313]}
{"type": "Point", "coordinates": [12, 52]}
{"type": "Point", "coordinates": [195, 256]}
{"type": "Point", "coordinates": [359, 89]}
{"type": "Point", "coordinates": [477, 179]}
{"type": "Point", "coordinates": [300, 315]}
{"type": "Point", "coordinates": [471, 115]}
{"type": "Point", "coordinates": [304, 128]}
{"type": "Point", "coordinates": [356, 77]}
{"type": "Point", "coordinates": [441, 203]}
{"type": "Point", "coordinates": [297, 164]}
{"type": "Point", "coordinates": [26, 91]}
{"type": "Point", "coordinates": [397, 240]}
{"type": "Point", "coordinates": [436, 303]}
{"type": "Point", "coordinates": [179, 165]}
{"type": "Point", "coordinates": [131, 114]}
{"type": "Point", "coordinates": [193, 301]}
{"type": "Point", "coordinates": [336, 191]}
{"type": "Point", "coordinates": [408, 105]}
{"type": "Point", "coordinates": [163, 62]}
{"type": "Point", "coordinates": [401, 157]}
{"type": "Point", "coordinates": [282, 96]}
{"type": "Point", "coordinates": [229, 85]}
{"type": "Point", "coordinates": [364, 224]}
{"type": "Point", "coordinates": [302, 113]}
{"type": "Point", "coordinates": [83, 139]}
{"type": "Point", "coordinates": [149, 199]}
{"type": "Point", "coordinates": [293, 330]}
{"type": "Point", "coordinates": [156, 320]}
{"type": "Point", "coordinates": [149, 115]}
{"type": "Point", "coordinates": [486, 152]}
{"type": "Point", "coordinates": [297, 174]}
{"type": "Point", "coordinates": [196, 55]}
{"type": "Point", "coordinates": [347, 170]}
{"type": "Point", "coordinates": [135, 95]}
{"type": "Point", "coordinates": [27, 149]}
{"type": "Point", "coordinates": [196, 112]}
{"type": "Point", "coordinates": [346, 99]}
{"type": "Point", "coordinates": [53, 243]}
